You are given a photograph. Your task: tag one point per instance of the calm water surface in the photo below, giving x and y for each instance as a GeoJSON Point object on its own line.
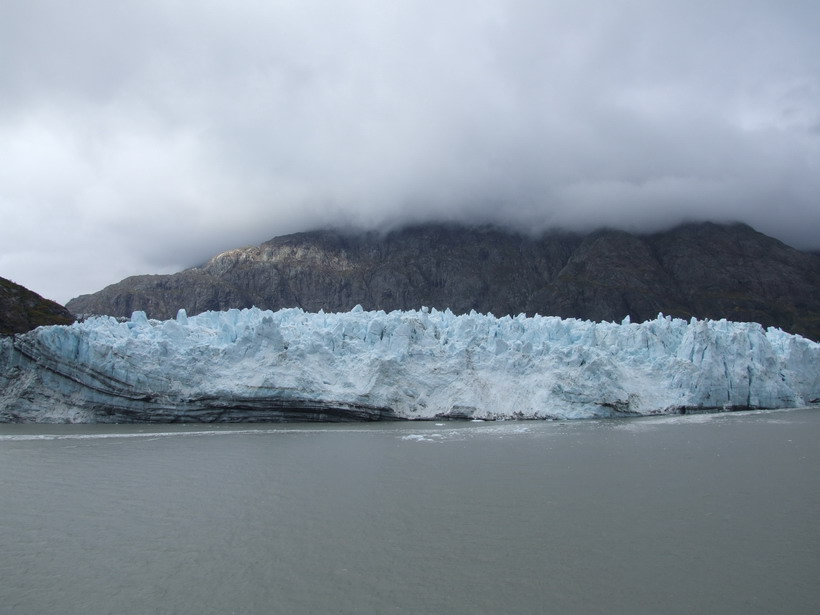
{"type": "Point", "coordinates": [695, 514]}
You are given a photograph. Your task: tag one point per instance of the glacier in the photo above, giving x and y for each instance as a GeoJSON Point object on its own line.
{"type": "Point", "coordinates": [257, 365]}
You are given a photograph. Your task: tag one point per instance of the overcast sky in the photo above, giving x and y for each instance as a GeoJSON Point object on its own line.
{"type": "Point", "coordinates": [146, 136]}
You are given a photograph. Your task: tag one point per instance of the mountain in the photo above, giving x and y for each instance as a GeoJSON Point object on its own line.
{"type": "Point", "coordinates": [22, 310]}
{"type": "Point", "coordinates": [703, 270]}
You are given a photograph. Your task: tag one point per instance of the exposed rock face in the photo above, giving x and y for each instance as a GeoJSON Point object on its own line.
{"type": "Point", "coordinates": [22, 310]}
{"type": "Point", "coordinates": [701, 270]}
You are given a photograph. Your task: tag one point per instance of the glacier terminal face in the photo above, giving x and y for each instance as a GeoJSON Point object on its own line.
{"type": "Point", "coordinates": [256, 365]}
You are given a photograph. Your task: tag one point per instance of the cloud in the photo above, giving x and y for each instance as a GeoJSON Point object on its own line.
{"type": "Point", "coordinates": [146, 136]}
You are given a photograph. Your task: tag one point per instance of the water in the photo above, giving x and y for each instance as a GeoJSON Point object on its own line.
{"type": "Point", "coordinates": [695, 514]}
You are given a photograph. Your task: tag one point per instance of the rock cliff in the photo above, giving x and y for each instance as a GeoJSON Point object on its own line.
{"type": "Point", "coordinates": [702, 270]}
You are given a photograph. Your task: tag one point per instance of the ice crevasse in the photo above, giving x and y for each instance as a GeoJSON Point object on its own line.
{"type": "Point", "coordinates": [257, 365]}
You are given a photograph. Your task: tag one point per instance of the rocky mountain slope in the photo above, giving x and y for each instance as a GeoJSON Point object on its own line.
{"type": "Point", "coordinates": [703, 270]}
{"type": "Point", "coordinates": [22, 310]}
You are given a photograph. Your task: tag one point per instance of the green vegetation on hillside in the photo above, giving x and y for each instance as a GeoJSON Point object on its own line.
{"type": "Point", "coordinates": [22, 310]}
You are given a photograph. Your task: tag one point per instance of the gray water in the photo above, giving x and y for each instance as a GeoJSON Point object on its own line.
{"type": "Point", "coordinates": [695, 514]}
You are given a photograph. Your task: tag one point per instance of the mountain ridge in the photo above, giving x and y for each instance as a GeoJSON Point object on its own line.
{"type": "Point", "coordinates": [705, 270]}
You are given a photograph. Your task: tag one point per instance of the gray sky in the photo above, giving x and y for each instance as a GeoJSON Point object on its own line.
{"type": "Point", "coordinates": [145, 136]}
